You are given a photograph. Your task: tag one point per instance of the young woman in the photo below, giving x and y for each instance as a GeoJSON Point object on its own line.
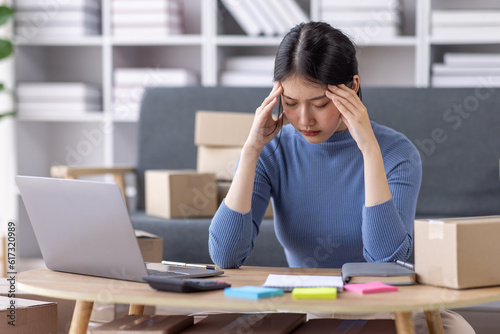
{"type": "Point", "coordinates": [344, 189]}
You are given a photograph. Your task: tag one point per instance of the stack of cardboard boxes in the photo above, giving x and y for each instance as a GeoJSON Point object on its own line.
{"type": "Point", "coordinates": [219, 137]}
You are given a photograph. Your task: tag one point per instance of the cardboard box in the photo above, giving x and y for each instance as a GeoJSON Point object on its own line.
{"type": "Point", "coordinates": [65, 307]}
{"type": "Point", "coordinates": [223, 188]}
{"type": "Point", "coordinates": [158, 324]}
{"type": "Point", "coordinates": [219, 160]}
{"type": "Point", "coordinates": [180, 194]}
{"type": "Point", "coordinates": [458, 252]}
{"type": "Point", "coordinates": [151, 246]}
{"type": "Point", "coordinates": [222, 128]}
{"type": "Point", "coordinates": [25, 316]}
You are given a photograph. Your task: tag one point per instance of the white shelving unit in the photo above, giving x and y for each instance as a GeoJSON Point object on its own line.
{"type": "Point", "coordinates": [211, 35]}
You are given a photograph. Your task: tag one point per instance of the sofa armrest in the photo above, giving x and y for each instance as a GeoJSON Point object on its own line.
{"type": "Point", "coordinates": [69, 172]}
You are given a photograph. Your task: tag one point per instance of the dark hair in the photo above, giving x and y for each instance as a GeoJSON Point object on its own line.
{"type": "Point", "coordinates": [316, 52]}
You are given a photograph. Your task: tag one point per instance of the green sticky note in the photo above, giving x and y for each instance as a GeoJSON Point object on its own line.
{"type": "Point", "coordinates": [314, 293]}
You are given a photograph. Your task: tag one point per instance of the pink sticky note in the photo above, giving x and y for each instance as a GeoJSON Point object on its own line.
{"type": "Point", "coordinates": [373, 287]}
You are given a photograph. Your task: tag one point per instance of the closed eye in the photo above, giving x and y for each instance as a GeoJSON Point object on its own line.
{"type": "Point", "coordinates": [290, 104]}
{"type": "Point", "coordinates": [322, 106]}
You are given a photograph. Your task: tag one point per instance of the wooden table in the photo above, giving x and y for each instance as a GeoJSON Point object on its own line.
{"type": "Point", "coordinates": [87, 289]}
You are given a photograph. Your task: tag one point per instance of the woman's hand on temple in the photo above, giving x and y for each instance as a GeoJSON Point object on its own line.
{"type": "Point", "coordinates": [265, 127]}
{"type": "Point", "coordinates": [354, 115]}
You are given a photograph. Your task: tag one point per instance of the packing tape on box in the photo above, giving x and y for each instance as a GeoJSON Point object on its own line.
{"type": "Point", "coordinates": [436, 229]}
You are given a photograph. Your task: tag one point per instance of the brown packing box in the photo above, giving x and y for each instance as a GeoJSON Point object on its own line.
{"type": "Point", "coordinates": [29, 316]}
{"type": "Point", "coordinates": [157, 324]}
{"type": "Point", "coordinates": [105, 312]}
{"type": "Point", "coordinates": [328, 326]}
{"type": "Point", "coordinates": [180, 194]}
{"type": "Point", "coordinates": [465, 248]}
{"type": "Point", "coordinates": [255, 323]}
{"type": "Point", "coordinates": [65, 307]}
{"type": "Point", "coordinates": [151, 246]}
{"type": "Point", "coordinates": [219, 160]}
{"type": "Point", "coordinates": [222, 128]}
{"type": "Point", "coordinates": [223, 188]}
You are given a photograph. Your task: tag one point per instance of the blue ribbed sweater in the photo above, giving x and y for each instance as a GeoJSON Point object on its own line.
{"type": "Point", "coordinates": [318, 198]}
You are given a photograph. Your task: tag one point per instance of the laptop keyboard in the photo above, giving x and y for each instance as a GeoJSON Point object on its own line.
{"type": "Point", "coordinates": [166, 273]}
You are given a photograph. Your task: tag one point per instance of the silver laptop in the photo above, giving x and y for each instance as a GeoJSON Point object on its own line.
{"type": "Point", "coordinates": [83, 227]}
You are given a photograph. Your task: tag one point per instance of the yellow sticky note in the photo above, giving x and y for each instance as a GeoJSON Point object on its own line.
{"type": "Point", "coordinates": [314, 293]}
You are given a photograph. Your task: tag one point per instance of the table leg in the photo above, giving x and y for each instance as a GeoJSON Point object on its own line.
{"type": "Point", "coordinates": [135, 309]}
{"type": "Point", "coordinates": [434, 322]}
{"type": "Point", "coordinates": [81, 317]}
{"type": "Point", "coordinates": [404, 323]}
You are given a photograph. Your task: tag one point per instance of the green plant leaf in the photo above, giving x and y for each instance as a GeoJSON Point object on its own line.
{"type": "Point", "coordinates": [5, 14]}
{"type": "Point", "coordinates": [6, 48]}
{"type": "Point", "coordinates": [2, 86]}
{"type": "Point", "coordinates": [12, 113]}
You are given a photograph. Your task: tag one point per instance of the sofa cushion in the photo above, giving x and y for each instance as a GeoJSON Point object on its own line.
{"type": "Point", "coordinates": [457, 132]}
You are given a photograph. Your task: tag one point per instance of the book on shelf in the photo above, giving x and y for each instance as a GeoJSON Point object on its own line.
{"type": "Point", "coordinates": [384, 272]}
{"type": "Point", "coordinates": [246, 79]}
{"type": "Point", "coordinates": [458, 59]}
{"type": "Point", "coordinates": [57, 107]}
{"type": "Point", "coordinates": [242, 17]}
{"type": "Point", "coordinates": [61, 18]}
{"type": "Point", "coordinates": [461, 17]}
{"type": "Point", "coordinates": [92, 5]}
{"type": "Point", "coordinates": [443, 70]}
{"type": "Point", "coordinates": [124, 31]}
{"type": "Point", "coordinates": [282, 13]}
{"type": "Point", "coordinates": [268, 12]}
{"type": "Point", "coordinates": [296, 11]}
{"type": "Point", "coordinates": [52, 99]}
{"type": "Point", "coordinates": [469, 32]}
{"type": "Point", "coordinates": [255, 11]}
{"type": "Point", "coordinates": [363, 33]}
{"type": "Point", "coordinates": [59, 99]}
{"type": "Point", "coordinates": [360, 17]}
{"type": "Point", "coordinates": [160, 18]}
{"type": "Point", "coordinates": [154, 77]}
{"type": "Point", "coordinates": [139, 6]}
{"type": "Point", "coordinates": [40, 91]}
{"type": "Point", "coordinates": [360, 4]}
{"type": "Point", "coordinates": [465, 81]}
{"type": "Point", "coordinates": [57, 31]}
{"type": "Point", "coordinates": [250, 63]}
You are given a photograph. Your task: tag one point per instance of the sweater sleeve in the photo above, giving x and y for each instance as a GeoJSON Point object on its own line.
{"type": "Point", "coordinates": [232, 234]}
{"type": "Point", "coordinates": [387, 228]}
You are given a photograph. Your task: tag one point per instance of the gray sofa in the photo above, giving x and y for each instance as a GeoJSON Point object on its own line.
{"type": "Point", "coordinates": [457, 132]}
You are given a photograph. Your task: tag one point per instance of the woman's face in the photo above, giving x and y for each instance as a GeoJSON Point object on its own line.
{"type": "Point", "coordinates": [309, 110]}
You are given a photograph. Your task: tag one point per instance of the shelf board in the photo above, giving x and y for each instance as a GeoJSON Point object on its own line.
{"type": "Point", "coordinates": [63, 41]}
{"type": "Point", "coordinates": [90, 117]}
{"type": "Point", "coordinates": [157, 40]}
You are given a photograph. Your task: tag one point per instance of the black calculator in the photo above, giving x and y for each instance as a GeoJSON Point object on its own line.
{"type": "Point", "coordinates": [184, 284]}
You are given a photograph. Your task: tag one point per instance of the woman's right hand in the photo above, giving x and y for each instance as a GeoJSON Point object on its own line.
{"type": "Point", "coordinates": [264, 127]}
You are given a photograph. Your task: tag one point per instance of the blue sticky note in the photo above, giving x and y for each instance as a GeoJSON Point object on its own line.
{"type": "Point", "coordinates": [252, 292]}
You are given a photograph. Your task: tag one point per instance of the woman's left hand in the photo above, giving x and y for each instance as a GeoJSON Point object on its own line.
{"type": "Point", "coordinates": [354, 114]}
